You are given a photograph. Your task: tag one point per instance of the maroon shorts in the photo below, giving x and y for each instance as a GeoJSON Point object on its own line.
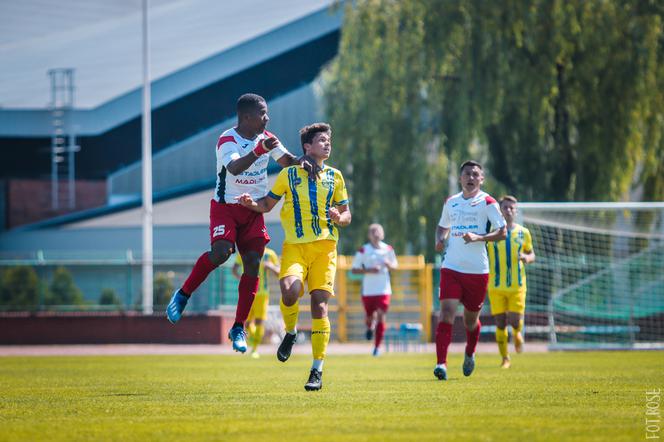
{"type": "Point", "coordinates": [373, 303]}
{"type": "Point", "coordinates": [468, 288]}
{"type": "Point", "coordinates": [237, 224]}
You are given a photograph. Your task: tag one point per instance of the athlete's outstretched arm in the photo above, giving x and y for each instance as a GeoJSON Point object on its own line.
{"type": "Point", "coordinates": [263, 205]}
{"type": "Point", "coordinates": [340, 215]}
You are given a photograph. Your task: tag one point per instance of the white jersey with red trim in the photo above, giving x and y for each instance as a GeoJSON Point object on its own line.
{"type": "Point", "coordinates": [253, 181]}
{"type": "Point", "coordinates": [375, 284]}
{"type": "Point", "coordinates": [475, 215]}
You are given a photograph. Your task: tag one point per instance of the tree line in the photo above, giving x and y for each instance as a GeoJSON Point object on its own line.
{"type": "Point", "coordinates": [561, 100]}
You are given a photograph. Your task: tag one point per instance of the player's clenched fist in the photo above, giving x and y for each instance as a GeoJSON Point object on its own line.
{"type": "Point", "coordinates": [246, 200]}
{"type": "Point", "coordinates": [265, 145]}
{"type": "Point", "coordinates": [334, 215]}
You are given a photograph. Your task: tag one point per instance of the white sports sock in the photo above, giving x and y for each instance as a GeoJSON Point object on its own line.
{"type": "Point", "coordinates": [292, 332]}
{"type": "Point", "coordinates": [318, 364]}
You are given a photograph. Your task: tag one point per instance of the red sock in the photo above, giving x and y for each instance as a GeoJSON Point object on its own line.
{"type": "Point", "coordinates": [443, 339]}
{"type": "Point", "coordinates": [246, 294]}
{"type": "Point", "coordinates": [201, 269]}
{"type": "Point", "coordinates": [380, 331]}
{"type": "Point", "coordinates": [472, 337]}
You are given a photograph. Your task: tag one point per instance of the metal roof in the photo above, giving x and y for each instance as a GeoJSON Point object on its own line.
{"type": "Point", "coordinates": [101, 40]}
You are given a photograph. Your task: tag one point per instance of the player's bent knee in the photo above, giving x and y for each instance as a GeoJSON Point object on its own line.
{"type": "Point", "coordinates": [447, 315]}
{"type": "Point", "coordinates": [220, 252]}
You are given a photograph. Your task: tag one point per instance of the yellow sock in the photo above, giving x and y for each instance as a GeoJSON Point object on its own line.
{"type": "Point", "coordinates": [320, 336]}
{"type": "Point", "coordinates": [501, 339]}
{"type": "Point", "coordinates": [259, 331]}
{"type": "Point", "coordinates": [517, 330]}
{"type": "Point", "coordinates": [289, 314]}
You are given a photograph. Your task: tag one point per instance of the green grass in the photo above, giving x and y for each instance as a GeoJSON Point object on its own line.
{"type": "Point", "coordinates": [555, 396]}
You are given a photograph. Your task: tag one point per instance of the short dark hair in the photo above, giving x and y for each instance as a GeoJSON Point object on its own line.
{"type": "Point", "coordinates": [248, 103]}
{"type": "Point", "coordinates": [508, 198]}
{"type": "Point", "coordinates": [307, 133]}
{"type": "Point", "coordinates": [470, 163]}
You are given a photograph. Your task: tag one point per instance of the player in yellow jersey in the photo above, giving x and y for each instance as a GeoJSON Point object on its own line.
{"type": "Point", "coordinates": [258, 312]}
{"type": "Point", "coordinates": [507, 279]}
{"type": "Point", "coordinates": [311, 215]}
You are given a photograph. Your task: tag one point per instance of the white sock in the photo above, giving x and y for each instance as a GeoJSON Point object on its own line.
{"type": "Point", "coordinates": [292, 332]}
{"type": "Point", "coordinates": [440, 366]}
{"type": "Point", "coordinates": [318, 364]}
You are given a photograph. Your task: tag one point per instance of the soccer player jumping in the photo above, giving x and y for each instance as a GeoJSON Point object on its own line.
{"type": "Point", "coordinates": [242, 156]}
{"type": "Point", "coordinates": [312, 212]}
{"type": "Point", "coordinates": [465, 271]}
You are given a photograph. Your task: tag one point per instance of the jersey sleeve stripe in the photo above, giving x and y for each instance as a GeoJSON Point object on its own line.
{"type": "Point", "coordinates": [341, 203]}
{"type": "Point", "coordinates": [225, 139]}
{"type": "Point", "coordinates": [274, 195]}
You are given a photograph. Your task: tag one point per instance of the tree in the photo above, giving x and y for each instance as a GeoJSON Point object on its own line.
{"type": "Point", "coordinates": [63, 290]}
{"type": "Point", "coordinates": [563, 100]}
{"type": "Point", "coordinates": [163, 288]}
{"type": "Point", "coordinates": [109, 297]}
{"type": "Point", "coordinates": [20, 288]}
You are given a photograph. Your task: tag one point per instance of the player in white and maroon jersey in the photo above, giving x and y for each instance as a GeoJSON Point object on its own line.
{"type": "Point", "coordinates": [242, 158]}
{"type": "Point", "coordinates": [470, 219]}
{"type": "Point", "coordinates": [374, 260]}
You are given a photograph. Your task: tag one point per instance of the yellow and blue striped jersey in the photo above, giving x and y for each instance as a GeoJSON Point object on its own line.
{"type": "Point", "coordinates": [269, 256]}
{"type": "Point", "coordinates": [506, 271]}
{"type": "Point", "coordinates": [305, 214]}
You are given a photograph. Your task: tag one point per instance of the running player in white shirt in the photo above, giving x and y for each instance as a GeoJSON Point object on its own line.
{"type": "Point", "coordinates": [374, 260]}
{"type": "Point", "coordinates": [242, 159]}
{"type": "Point", "coordinates": [470, 219]}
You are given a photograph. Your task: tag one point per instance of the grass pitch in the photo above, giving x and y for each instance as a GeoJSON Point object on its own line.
{"type": "Point", "coordinates": [555, 396]}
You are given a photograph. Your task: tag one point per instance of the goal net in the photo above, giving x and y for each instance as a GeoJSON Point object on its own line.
{"type": "Point", "coordinates": [598, 281]}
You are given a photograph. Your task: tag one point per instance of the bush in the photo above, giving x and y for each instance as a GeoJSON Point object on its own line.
{"type": "Point", "coordinates": [63, 291]}
{"type": "Point", "coordinates": [163, 288]}
{"type": "Point", "coordinates": [109, 297]}
{"type": "Point", "coordinates": [20, 287]}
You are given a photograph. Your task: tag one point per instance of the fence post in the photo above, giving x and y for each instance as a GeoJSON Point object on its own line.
{"type": "Point", "coordinates": [427, 301]}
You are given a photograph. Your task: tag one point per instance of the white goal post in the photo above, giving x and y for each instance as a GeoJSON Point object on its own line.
{"type": "Point", "coordinates": [598, 281]}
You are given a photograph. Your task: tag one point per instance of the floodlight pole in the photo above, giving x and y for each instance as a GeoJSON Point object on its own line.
{"type": "Point", "coordinates": [147, 169]}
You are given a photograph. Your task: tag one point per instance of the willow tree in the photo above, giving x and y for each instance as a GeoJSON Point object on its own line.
{"type": "Point", "coordinates": [563, 99]}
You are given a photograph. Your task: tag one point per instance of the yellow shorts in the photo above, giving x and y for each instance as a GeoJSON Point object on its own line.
{"type": "Point", "coordinates": [259, 307]}
{"type": "Point", "coordinates": [507, 301]}
{"type": "Point", "coordinates": [313, 262]}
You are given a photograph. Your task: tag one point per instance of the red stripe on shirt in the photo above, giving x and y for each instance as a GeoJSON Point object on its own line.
{"type": "Point", "coordinates": [490, 200]}
{"type": "Point", "coordinates": [225, 139]}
